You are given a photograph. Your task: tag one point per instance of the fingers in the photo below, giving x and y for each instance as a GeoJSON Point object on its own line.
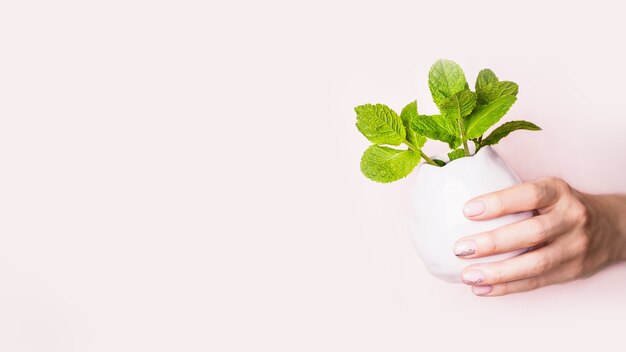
{"type": "Point", "coordinates": [523, 234]}
{"type": "Point", "coordinates": [527, 265]}
{"type": "Point", "coordinates": [565, 272]}
{"type": "Point", "coordinates": [522, 197]}
{"type": "Point", "coordinates": [555, 234]}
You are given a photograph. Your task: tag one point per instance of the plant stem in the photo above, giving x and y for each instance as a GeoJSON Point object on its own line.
{"type": "Point", "coordinates": [428, 160]}
{"type": "Point", "coordinates": [466, 148]}
{"type": "Point", "coordinates": [462, 129]}
{"type": "Point", "coordinates": [477, 144]}
{"type": "Point", "coordinates": [415, 149]}
{"type": "Point", "coordinates": [459, 119]}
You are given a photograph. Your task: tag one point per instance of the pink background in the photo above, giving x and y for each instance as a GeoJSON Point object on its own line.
{"type": "Point", "coordinates": [183, 175]}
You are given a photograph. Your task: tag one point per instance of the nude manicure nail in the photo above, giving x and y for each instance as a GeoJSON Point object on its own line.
{"type": "Point", "coordinates": [474, 208]}
{"type": "Point", "coordinates": [465, 248]}
{"type": "Point", "coordinates": [473, 277]}
{"type": "Point", "coordinates": [481, 290]}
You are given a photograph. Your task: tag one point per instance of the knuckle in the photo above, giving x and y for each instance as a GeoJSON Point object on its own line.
{"type": "Point", "coordinates": [582, 244]}
{"type": "Point", "coordinates": [536, 192]}
{"type": "Point", "coordinates": [497, 204]}
{"type": "Point", "coordinates": [542, 264]}
{"type": "Point", "coordinates": [547, 180]}
{"type": "Point", "coordinates": [538, 230]}
{"type": "Point", "coordinates": [534, 283]}
{"type": "Point", "coordinates": [496, 275]}
{"type": "Point", "coordinates": [579, 213]}
{"type": "Point", "coordinates": [490, 242]}
{"type": "Point", "coordinates": [558, 183]}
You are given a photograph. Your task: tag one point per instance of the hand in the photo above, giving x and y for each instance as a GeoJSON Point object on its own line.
{"type": "Point", "coordinates": [573, 236]}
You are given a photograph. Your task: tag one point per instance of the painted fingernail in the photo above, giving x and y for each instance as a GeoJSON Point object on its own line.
{"type": "Point", "coordinates": [481, 290]}
{"type": "Point", "coordinates": [474, 208]}
{"type": "Point", "coordinates": [473, 277]}
{"type": "Point", "coordinates": [465, 248]}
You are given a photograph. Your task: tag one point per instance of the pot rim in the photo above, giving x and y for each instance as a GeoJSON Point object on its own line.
{"type": "Point", "coordinates": [459, 161]}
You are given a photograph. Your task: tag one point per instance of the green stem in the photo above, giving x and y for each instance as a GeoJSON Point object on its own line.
{"type": "Point", "coordinates": [462, 129]}
{"type": "Point", "coordinates": [478, 144]}
{"type": "Point", "coordinates": [415, 149]}
{"type": "Point", "coordinates": [428, 160]}
{"type": "Point", "coordinates": [466, 148]}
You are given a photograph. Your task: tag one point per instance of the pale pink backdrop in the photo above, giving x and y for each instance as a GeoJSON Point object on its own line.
{"type": "Point", "coordinates": [183, 175]}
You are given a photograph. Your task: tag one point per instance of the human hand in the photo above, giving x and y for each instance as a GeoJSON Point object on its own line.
{"type": "Point", "coordinates": [573, 236]}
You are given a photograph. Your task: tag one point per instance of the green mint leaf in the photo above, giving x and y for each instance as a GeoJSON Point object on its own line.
{"type": "Point", "coordinates": [489, 88]}
{"type": "Point", "coordinates": [505, 88]}
{"type": "Point", "coordinates": [439, 162]}
{"type": "Point", "coordinates": [410, 113]}
{"type": "Point", "coordinates": [445, 79]}
{"type": "Point", "coordinates": [481, 119]}
{"type": "Point", "coordinates": [459, 105]}
{"type": "Point", "coordinates": [380, 124]}
{"type": "Point", "coordinates": [437, 127]}
{"type": "Point", "coordinates": [455, 108]}
{"type": "Point", "coordinates": [485, 78]}
{"type": "Point", "coordinates": [456, 154]}
{"type": "Point", "coordinates": [384, 164]}
{"type": "Point", "coordinates": [497, 90]}
{"type": "Point", "coordinates": [507, 128]}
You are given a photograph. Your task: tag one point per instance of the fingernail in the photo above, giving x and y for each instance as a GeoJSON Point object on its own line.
{"type": "Point", "coordinates": [474, 208]}
{"type": "Point", "coordinates": [465, 248]}
{"type": "Point", "coordinates": [481, 290]}
{"type": "Point", "coordinates": [473, 277]}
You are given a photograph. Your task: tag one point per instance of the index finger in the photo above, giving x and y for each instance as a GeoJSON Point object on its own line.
{"type": "Point", "coordinates": [522, 197]}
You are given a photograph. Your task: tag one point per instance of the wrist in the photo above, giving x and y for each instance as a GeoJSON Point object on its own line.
{"type": "Point", "coordinates": [607, 219]}
{"type": "Point", "coordinates": [620, 216]}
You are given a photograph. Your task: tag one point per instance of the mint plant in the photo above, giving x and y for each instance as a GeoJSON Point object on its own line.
{"type": "Point", "coordinates": [464, 116]}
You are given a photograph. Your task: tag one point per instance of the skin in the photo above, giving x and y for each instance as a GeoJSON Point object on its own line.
{"type": "Point", "coordinates": [573, 235]}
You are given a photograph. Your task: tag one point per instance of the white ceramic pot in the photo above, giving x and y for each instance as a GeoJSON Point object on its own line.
{"type": "Point", "coordinates": [438, 196]}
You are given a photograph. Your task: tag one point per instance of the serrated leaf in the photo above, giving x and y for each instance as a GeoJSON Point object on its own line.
{"type": "Point", "coordinates": [445, 79]}
{"type": "Point", "coordinates": [380, 124]}
{"type": "Point", "coordinates": [497, 90]}
{"type": "Point", "coordinates": [485, 78]}
{"type": "Point", "coordinates": [409, 113]}
{"type": "Point", "coordinates": [507, 128]}
{"type": "Point", "coordinates": [437, 127]}
{"type": "Point", "coordinates": [384, 164]}
{"type": "Point", "coordinates": [481, 119]}
{"type": "Point", "coordinates": [459, 105]}
{"type": "Point", "coordinates": [505, 88]}
{"type": "Point", "coordinates": [456, 154]}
